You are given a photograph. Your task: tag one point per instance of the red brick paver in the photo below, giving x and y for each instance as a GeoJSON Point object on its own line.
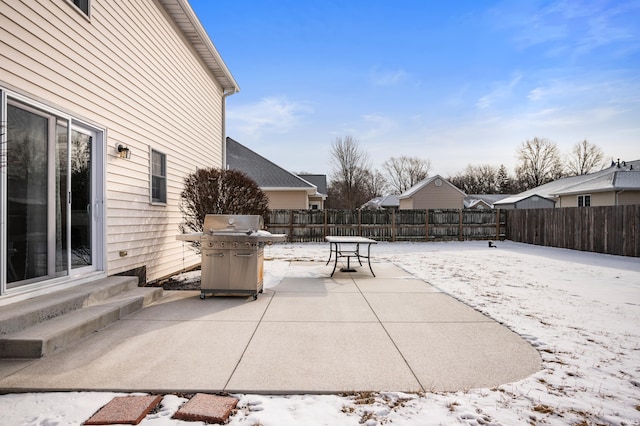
{"type": "Point", "coordinates": [207, 408]}
{"type": "Point", "coordinates": [128, 410]}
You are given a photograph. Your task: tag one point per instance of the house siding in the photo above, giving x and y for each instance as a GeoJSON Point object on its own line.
{"type": "Point", "coordinates": [287, 199]}
{"type": "Point", "coordinates": [130, 71]}
{"type": "Point", "coordinates": [535, 203]}
{"type": "Point", "coordinates": [436, 197]}
{"type": "Point", "coordinates": [597, 199]}
{"type": "Point", "coordinates": [628, 198]}
{"type": "Point", "coordinates": [406, 204]}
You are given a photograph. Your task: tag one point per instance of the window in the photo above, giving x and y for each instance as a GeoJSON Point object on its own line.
{"type": "Point", "coordinates": [83, 5]}
{"type": "Point", "coordinates": [584, 200]}
{"type": "Point", "coordinates": [158, 177]}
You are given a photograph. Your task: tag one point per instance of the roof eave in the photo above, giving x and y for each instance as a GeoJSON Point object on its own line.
{"type": "Point", "coordinates": [185, 18]}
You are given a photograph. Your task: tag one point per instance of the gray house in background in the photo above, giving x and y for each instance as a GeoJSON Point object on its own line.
{"type": "Point", "coordinates": [617, 185]}
{"type": "Point", "coordinates": [482, 201]}
{"type": "Point", "coordinates": [386, 202]}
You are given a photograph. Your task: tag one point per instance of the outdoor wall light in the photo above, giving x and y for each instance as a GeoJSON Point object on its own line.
{"type": "Point", "coordinates": [123, 151]}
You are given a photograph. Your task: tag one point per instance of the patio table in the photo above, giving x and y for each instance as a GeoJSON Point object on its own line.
{"type": "Point", "coordinates": [349, 247]}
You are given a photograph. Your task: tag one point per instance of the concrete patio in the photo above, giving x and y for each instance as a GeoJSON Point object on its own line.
{"type": "Point", "coordinates": [308, 334]}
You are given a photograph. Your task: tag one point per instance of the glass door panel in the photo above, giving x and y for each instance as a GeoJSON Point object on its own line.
{"type": "Point", "coordinates": [27, 195]}
{"type": "Point", "coordinates": [81, 199]}
{"type": "Point", "coordinates": [61, 194]}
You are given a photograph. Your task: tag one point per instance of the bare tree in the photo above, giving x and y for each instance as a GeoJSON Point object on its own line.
{"type": "Point", "coordinates": [482, 179]}
{"type": "Point", "coordinates": [219, 191]}
{"type": "Point", "coordinates": [404, 172]}
{"type": "Point", "coordinates": [539, 163]}
{"type": "Point", "coordinates": [348, 186]}
{"type": "Point", "coordinates": [375, 184]}
{"type": "Point", "coordinates": [585, 158]}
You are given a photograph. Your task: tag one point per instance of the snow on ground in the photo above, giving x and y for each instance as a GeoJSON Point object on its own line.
{"type": "Point", "coordinates": [580, 310]}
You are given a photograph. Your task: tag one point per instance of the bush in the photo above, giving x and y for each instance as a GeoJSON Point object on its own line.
{"type": "Point", "coordinates": [217, 191]}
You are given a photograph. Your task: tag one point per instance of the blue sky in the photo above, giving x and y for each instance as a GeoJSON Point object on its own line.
{"type": "Point", "coordinates": [457, 83]}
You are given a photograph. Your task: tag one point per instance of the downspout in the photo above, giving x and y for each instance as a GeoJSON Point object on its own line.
{"type": "Point", "coordinates": [224, 124]}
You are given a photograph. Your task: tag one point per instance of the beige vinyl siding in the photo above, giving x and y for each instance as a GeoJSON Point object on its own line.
{"type": "Point", "coordinates": [629, 198]}
{"type": "Point", "coordinates": [437, 197]}
{"type": "Point", "coordinates": [597, 199]}
{"type": "Point", "coordinates": [127, 70]}
{"type": "Point", "coordinates": [406, 204]}
{"type": "Point", "coordinates": [287, 199]}
{"type": "Point", "coordinates": [602, 199]}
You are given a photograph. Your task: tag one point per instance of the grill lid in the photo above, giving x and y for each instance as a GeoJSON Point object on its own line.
{"type": "Point", "coordinates": [232, 223]}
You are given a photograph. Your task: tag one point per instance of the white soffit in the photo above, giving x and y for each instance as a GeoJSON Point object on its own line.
{"type": "Point", "coordinates": [186, 19]}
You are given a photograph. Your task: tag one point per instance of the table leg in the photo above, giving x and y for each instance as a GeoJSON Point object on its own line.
{"type": "Point", "coordinates": [369, 259]}
{"type": "Point", "coordinates": [330, 253]}
{"type": "Point", "coordinates": [335, 264]}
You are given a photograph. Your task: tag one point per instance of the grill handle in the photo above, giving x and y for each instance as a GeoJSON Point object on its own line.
{"type": "Point", "coordinates": [243, 255]}
{"type": "Point", "coordinates": [215, 254]}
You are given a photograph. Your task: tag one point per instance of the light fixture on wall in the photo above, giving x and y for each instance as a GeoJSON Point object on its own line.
{"type": "Point", "coordinates": [123, 151]}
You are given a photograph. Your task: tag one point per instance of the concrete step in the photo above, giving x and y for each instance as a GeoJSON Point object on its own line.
{"type": "Point", "coordinates": [27, 313]}
{"type": "Point", "coordinates": [100, 307]}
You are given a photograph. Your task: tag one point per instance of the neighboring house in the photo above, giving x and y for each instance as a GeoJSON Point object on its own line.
{"type": "Point", "coordinates": [386, 202]}
{"type": "Point", "coordinates": [316, 202]}
{"type": "Point", "coordinates": [432, 193]}
{"type": "Point", "coordinates": [616, 185]}
{"type": "Point", "coordinates": [284, 189]}
{"type": "Point", "coordinates": [482, 201]}
{"type": "Point", "coordinates": [107, 106]}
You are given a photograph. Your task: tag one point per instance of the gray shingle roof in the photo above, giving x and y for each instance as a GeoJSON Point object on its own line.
{"type": "Point", "coordinates": [264, 172]}
{"type": "Point", "coordinates": [320, 181]}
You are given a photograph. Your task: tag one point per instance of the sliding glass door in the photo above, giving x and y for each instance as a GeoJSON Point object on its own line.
{"type": "Point", "coordinates": [50, 208]}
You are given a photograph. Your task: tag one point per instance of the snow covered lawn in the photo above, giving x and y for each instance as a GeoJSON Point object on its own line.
{"type": "Point", "coordinates": [580, 310]}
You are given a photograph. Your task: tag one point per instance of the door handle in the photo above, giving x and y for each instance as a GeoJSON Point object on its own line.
{"type": "Point", "coordinates": [215, 254]}
{"type": "Point", "coordinates": [243, 255]}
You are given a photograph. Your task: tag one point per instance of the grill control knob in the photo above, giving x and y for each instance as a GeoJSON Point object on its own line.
{"type": "Point", "coordinates": [210, 244]}
{"type": "Point", "coordinates": [222, 244]}
{"type": "Point", "coordinates": [235, 244]}
{"type": "Point", "coordinates": [247, 244]}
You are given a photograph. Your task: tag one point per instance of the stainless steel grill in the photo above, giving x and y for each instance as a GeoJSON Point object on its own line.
{"type": "Point", "coordinates": [232, 254]}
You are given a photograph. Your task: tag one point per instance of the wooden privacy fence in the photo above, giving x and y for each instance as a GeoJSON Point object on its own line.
{"type": "Point", "coordinates": [610, 230]}
{"type": "Point", "coordinates": [384, 225]}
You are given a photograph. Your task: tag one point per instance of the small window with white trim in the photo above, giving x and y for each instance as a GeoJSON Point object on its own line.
{"type": "Point", "coordinates": [158, 177]}
{"type": "Point", "coordinates": [584, 200]}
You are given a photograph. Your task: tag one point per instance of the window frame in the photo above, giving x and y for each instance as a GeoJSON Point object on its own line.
{"type": "Point", "coordinates": [78, 8]}
{"type": "Point", "coordinates": [584, 200]}
{"type": "Point", "coordinates": [152, 175]}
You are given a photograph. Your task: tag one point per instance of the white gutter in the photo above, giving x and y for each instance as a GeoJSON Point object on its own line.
{"type": "Point", "coordinates": [224, 126]}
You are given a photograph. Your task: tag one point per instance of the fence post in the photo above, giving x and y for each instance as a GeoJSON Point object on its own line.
{"type": "Point", "coordinates": [497, 224]}
{"type": "Point", "coordinates": [291, 224]}
{"type": "Point", "coordinates": [393, 225]}
{"type": "Point", "coordinates": [426, 225]}
{"type": "Point", "coordinates": [324, 227]}
{"type": "Point", "coordinates": [359, 222]}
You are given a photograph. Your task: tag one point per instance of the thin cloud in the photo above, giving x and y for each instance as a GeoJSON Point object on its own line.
{"type": "Point", "coordinates": [376, 125]}
{"type": "Point", "coordinates": [569, 27]}
{"type": "Point", "coordinates": [386, 78]}
{"type": "Point", "coordinates": [501, 91]}
{"type": "Point", "coordinates": [269, 115]}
